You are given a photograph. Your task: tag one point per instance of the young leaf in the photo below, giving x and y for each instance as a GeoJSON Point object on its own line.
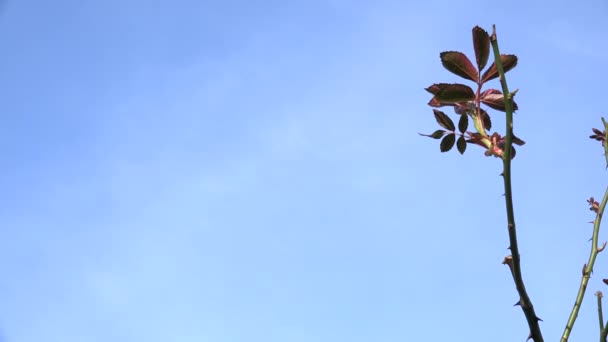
{"type": "Point", "coordinates": [494, 99]}
{"type": "Point", "coordinates": [453, 93]}
{"type": "Point", "coordinates": [447, 143]}
{"type": "Point", "coordinates": [463, 123]}
{"type": "Point", "coordinates": [444, 120]}
{"type": "Point", "coordinates": [436, 87]}
{"type": "Point", "coordinates": [459, 64]}
{"type": "Point", "coordinates": [508, 62]}
{"type": "Point", "coordinates": [435, 135]}
{"type": "Point", "coordinates": [461, 144]}
{"type": "Point", "coordinates": [518, 141]}
{"type": "Point", "coordinates": [436, 103]}
{"type": "Point", "coordinates": [481, 44]}
{"type": "Point", "coordinates": [487, 123]}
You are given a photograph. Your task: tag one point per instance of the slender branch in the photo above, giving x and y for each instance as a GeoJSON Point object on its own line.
{"type": "Point", "coordinates": [515, 263]}
{"type": "Point", "coordinates": [600, 315]}
{"type": "Point", "coordinates": [600, 312]}
{"type": "Point", "coordinates": [588, 268]}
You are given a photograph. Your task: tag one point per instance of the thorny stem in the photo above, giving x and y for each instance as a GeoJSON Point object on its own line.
{"type": "Point", "coordinates": [588, 269]}
{"type": "Point", "coordinates": [524, 299]}
{"type": "Point", "coordinates": [600, 315]}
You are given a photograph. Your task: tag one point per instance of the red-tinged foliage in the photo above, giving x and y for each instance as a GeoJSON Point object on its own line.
{"type": "Point", "coordinates": [447, 143]}
{"type": "Point", "coordinates": [443, 120]}
{"type": "Point", "coordinates": [463, 123]}
{"type": "Point", "coordinates": [485, 118]}
{"type": "Point", "coordinates": [467, 103]}
{"type": "Point", "coordinates": [494, 99]}
{"type": "Point", "coordinates": [481, 44]}
{"type": "Point", "coordinates": [461, 144]}
{"type": "Point", "coordinates": [459, 64]}
{"type": "Point", "coordinates": [455, 93]}
{"type": "Point", "coordinates": [598, 135]}
{"type": "Point", "coordinates": [435, 135]}
{"type": "Point", "coordinates": [508, 62]}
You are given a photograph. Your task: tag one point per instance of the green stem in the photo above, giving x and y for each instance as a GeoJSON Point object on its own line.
{"type": "Point", "coordinates": [587, 270]}
{"type": "Point", "coordinates": [600, 314]}
{"type": "Point", "coordinates": [524, 299]}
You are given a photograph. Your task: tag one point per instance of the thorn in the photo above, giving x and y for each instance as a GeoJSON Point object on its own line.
{"type": "Point", "coordinates": [602, 248]}
{"type": "Point", "coordinates": [584, 267]}
{"type": "Point", "coordinates": [605, 281]}
{"type": "Point", "coordinates": [529, 336]}
{"type": "Point", "coordinates": [539, 319]}
{"type": "Point", "coordinates": [518, 303]}
{"type": "Point", "coordinates": [508, 260]}
{"type": "Point", "coordinates": [514, 92]}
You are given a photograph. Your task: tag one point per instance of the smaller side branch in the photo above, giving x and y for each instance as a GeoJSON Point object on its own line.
{"type": "Point", "coordinates": [588, 268]}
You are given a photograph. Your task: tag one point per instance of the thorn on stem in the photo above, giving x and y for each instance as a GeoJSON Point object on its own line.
{"type": "Point", "coordinates": [602, 248]}
{"type": "Point", "coordinates": [508, 260]}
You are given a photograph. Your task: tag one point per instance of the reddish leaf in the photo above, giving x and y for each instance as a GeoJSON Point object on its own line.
{"type": "Point", "coordinates": [460, 108]}
{"type": "Point", "coordinates": [518, 141]}
{"type": "Point", "coordinates": [435, 103]}
{"type": "Point", "coordinates": [435, 88]}
{"type": "Point", "coordinates": [485, 118]}
{"type": "Point", "coordinates": [494, 99]}
{"type": "Point", "coordinates": [463, 123]}
{"type": "Point", "coordinates": [435, 135]}
{"type": "Point", "coordinates": [481, 43]}
{"type": "Point", "coordinates": [508, 62]}
{"type": "Point", "coordinates": [459, 64]}
{"type": "Point", "coordinates": [461, 144]}
{"type": "Point", "coordinates": [453, 93]}
{"type": "Point", "coordinates": [444, 120]}
{"type": "Point", "coordinates": [447, 143]}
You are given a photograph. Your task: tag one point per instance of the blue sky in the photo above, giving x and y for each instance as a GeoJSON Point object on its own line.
{"type": "Point", "coordinates": [230, 171]}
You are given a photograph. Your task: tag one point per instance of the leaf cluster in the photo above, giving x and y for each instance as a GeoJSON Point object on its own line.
{"type": "Point", "coordinates": [467, 102]}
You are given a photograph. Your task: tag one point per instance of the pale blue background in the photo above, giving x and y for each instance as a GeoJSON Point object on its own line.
{"type": "Point", "coordinates": [230, 171]}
